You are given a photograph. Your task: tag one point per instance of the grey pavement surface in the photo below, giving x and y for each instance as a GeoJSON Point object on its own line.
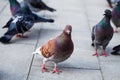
{"type": "Point", "coordinates": [18, 63]}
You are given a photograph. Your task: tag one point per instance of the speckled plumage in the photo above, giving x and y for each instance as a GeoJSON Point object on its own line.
{"type": "Point", "coordinates": [102, 33]}
{"type": "Point", "coordinates": [59, 48]}
{"type": "Point", "coordinates": [21, 22]}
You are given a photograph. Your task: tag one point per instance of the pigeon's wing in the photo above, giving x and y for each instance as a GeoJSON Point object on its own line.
{"type": "Point", "coordinates": [8, 23]}
{"type": "Point", "coordinates": [48, 49]}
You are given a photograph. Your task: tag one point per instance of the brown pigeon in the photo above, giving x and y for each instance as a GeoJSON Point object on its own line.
{"type": "Point", "coordinates": [57, 49]}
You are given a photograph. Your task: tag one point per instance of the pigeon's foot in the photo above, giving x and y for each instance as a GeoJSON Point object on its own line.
{"type": "Point", "coordinates": [55, 70]}
{"type": "Point", "coordinates": [21, 36]}
{"type": "Point", "coordinates": [96, 54]}
{"type": "Point", "coordinates": [104, 54]}
{"type": "Point", "coordinates": [115, 31]}
{"type": "Point", "coordinates": [44, 69]}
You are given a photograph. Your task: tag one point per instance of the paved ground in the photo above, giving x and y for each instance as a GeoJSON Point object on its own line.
{"type": "Point", "coordinates": [18, 63]}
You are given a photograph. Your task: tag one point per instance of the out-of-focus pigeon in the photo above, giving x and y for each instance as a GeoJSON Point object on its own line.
{"type": "Point", "coordinates": [21, 22]}
{"type": "Point", "coordinates": [14, 6]}
{"type": "Point", "coordinates": [38, 5]}
{"type": "Point", "coordinates": [116, 50]}
{"type": "Point", "coordinates": [116, 16]}
{"type": "Point", "coordinates": [57, 49]}
{"type": "Point", "coordinates": [102, 33]}
{"type": "Point", "coordinates": [112, 3]}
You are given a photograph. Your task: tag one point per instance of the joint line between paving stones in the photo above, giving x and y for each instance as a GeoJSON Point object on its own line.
{"type": "Point", "coordinates": [34, 54]}
{"type": "Point", "coordinates": [33, 57]}
{"type": "Point", "coordinates": [80, 68]}
{"type": "Point", "coordinates": [100, 69]}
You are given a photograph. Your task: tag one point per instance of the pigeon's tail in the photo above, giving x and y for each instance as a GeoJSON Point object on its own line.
{"type": "Point", "coordinates": [37, 51]}
{"type": "Point", "coordinates": [116, 47]}
{"type": "Point", "coordinates": [41, 19]}
{"type": "Point", "coordinates": [50, 9]}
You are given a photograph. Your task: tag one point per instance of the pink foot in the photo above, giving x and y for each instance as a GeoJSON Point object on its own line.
{"type": "Point", "coordinates": [21, 36]}
{"type": "Point", "coordinates": [96, 54]}
{"type": "Point", "coordinates": [104, 54]}
{"type": "Point", "coordinates": [44, 69]}
{"type": "Point", "coordinates": [115, 31]}
{"type": "Point", "coordinates": [56, 71]}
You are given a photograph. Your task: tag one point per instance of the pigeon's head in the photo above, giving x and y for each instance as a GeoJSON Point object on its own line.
{"type": "Point", "coordinates": [107, 13]}
{"type": "Point", "coordinates": [118, 3]}
{"type": "Point", "coordinates": [68, 29]}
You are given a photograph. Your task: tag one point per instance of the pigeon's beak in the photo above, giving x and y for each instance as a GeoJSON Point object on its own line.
{"type": "Point", "coordinates": [68, 31]}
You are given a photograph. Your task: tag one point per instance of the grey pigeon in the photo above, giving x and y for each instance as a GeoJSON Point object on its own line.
{"type": "Point", "coordinates": [57, 49]}
{"type": "Point", "coordinates": [21, 22]}
{"type": "Point", "coordinates": [102, 33]}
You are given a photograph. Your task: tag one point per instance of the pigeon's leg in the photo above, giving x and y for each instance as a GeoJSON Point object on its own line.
{"type": "Point", "coordinates": [21, 36]}
{"type": "Point", "coordinates": [44, 69]}
{"type": "Point", "coordinates": [104, 53]}
{"type": "Point", "coordinates": [96, 53]}
{"type": "Point", "coordinates": [56, 70]}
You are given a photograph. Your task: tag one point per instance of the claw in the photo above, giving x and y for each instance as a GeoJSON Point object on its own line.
{"type": "Point", "coordinates": [96, 54]}
{"type": "Point", "coordinates": [44, 69]}
{"type": "Point", "coordinates": [21, 36]}
{"type": "Point", "coordinates": [56, 71]}
{"type": "Point", "coordinates": [104, 54]}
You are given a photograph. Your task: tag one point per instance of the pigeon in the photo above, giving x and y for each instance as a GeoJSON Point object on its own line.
{"type": "Point", "coordinates": [38, 5]}
{"type": "Point", "coordinates": [102, 33]}
{"type": "Point", "coordinates": [21, 22]}
{"type": "Point", "coordinates": [116, 16]}
{"type": "Point", "coordinates": [116, 50]}
{"type": "Point", "coordinates": [14, 6]}
{"type": "Point", "coordinates": [57, 49]}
